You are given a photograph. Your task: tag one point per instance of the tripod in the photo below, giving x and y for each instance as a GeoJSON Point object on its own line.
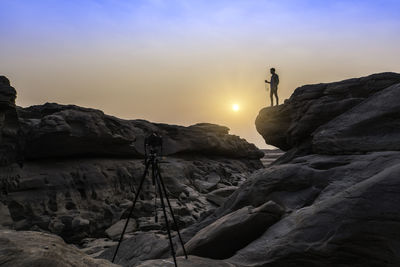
{"type": "Point", "coordinates": [153, 162]}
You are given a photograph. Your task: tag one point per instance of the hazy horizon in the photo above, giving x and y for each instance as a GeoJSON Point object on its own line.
{"type": "Point", "coordinates": [185, 62]}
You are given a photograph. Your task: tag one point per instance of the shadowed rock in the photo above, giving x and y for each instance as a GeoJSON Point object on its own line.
{"type": "Point", "coordinates": [83, 197]}
{"type": "Point", "coordinates": [53, 130]}
{"type": "Point", "coordinates": [10, 149]}
{"type": "Point", "coordinates": [114, 231]}
{"type": "Point", "coordinates": [353, 220]}
{"type": "Point", "coordinates": [341, 211]}
{"type": "Point", "coordinates": [373, 125]}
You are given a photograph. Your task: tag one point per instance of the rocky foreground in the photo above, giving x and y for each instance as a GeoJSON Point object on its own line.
{"type": "Point", "coordinates": [331, 200]}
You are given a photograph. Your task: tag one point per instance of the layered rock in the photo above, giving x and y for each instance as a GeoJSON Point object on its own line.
{"type": "Point", "coordinates": [373, 125]}
{"type": "Point", "coordinates": [53, 130]}
{"type": "Point", "coordinates": [83, 197]}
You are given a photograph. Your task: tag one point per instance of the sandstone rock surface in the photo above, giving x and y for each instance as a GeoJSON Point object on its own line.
{"type": "Point", "coordinates": [36, 249]}
{"type": "Point", "coordinates": [114, 231]}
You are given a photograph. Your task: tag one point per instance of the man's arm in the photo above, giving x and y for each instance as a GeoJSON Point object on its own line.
{"type": "Point", "coordinates": [267, 81]}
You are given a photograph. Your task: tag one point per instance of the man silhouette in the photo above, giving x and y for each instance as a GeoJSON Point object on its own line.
{"type": "Point", "coordinates": [274, 86]}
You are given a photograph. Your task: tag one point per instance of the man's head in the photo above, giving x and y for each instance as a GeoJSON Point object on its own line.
{"type": "Point", "coordinates": [272, 70]}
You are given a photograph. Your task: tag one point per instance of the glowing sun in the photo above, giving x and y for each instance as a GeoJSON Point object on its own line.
{"type": "Point", "coordinates": [235, 107]}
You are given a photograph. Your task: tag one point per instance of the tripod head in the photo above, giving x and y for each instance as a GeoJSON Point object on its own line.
{"type": "Point", "coordinates": [153, 145]}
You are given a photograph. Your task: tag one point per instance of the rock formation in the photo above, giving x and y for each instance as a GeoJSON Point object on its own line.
{"type": "Point", "coordinates": [338, 185]}
{"type": "Point", "coordinates": [331, 200]}
{"type": "Point", "coordinates": [53, 130]}
{"type": "Point", "coordinates": [82, 168]}
{"type": "Point", "coordinates": [298, 124]}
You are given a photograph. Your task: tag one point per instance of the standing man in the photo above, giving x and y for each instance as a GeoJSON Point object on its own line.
{"type": "Point", "coordinates": [274, 86]}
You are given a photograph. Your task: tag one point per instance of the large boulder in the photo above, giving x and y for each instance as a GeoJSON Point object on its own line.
{"type": "Point", "coordinates": [36, 249]}
{"type": "Point", "coordinates": [234, 231]}
{"type": "Point", "coordinates": [311, 106]}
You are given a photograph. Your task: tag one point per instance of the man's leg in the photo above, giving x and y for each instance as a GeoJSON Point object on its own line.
{"type": "Point", "coordinates": [276, 96]}
{"type": "Point", "coordinates": [271, 95]}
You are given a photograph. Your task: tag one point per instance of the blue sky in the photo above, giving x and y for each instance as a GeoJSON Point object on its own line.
{"type": "Point", "coordinates": [90, 19]}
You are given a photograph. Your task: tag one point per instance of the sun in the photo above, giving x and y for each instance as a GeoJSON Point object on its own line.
{"type": "Point", "coordinates": [235, 107]}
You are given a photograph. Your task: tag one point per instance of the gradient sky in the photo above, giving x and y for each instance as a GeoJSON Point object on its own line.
{"type": "Point", "coordinates": [187, 61]}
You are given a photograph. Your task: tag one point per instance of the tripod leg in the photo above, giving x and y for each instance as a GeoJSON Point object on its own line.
{"type": "Point", "coordinates": [170, 209]}
{"type": "Point", "coordinates": [132, 208]}
{"type": "Point", "coordinates": [164, 212]}
{"type": "Point", "coordinates": [155, 205]}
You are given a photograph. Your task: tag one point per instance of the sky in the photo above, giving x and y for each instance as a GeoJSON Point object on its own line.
{"type": "Point", "coordinates": [189, 61]}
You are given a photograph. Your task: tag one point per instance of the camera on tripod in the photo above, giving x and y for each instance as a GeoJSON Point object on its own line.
{"type": "Point", "coordinates": [153, 149]}
{"type": "Point", "coordinates": [153, 144]}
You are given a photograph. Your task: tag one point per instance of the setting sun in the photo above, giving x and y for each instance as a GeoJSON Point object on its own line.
{"type": "Point", "coordinates": [235, 107]}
